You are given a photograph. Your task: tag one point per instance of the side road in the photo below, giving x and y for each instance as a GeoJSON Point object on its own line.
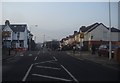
{"type": "Point", "coordinates": [95, 58]}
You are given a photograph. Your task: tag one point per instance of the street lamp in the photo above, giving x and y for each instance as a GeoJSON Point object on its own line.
{"type": "Point", "coordinates": [109, 32]}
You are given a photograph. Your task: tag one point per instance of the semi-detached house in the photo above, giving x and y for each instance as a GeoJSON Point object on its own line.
{"type": "Point", "coordinates": [98, 33]}
{"type": "Point", "coordinates": [15, 35]}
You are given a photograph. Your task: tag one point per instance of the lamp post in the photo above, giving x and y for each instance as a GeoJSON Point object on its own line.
{"type": "Point", "coordinates": [109, 32]}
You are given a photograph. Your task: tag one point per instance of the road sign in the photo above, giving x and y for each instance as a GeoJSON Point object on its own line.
{"type": "Point", "coordinates": [81, 35]}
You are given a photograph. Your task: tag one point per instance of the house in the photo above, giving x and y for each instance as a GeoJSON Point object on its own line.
{"type": "Point", "coordinates": [98, 33]}
{"type": "Point", "coordinates": [71, 40]}
{"type": "Point", "coordinates": [64, 41]}
{"type": "Point", "coordinates": [15, 35]}
{"type": "Point", "coordinates": [76, 37]}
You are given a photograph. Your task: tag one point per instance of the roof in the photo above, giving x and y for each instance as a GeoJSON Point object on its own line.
{"type": "Point", "coordinates": [71, 36]}
{"type": "Point", "coordinates": [2, 26]}
{"type": "Point", "coordinates": [114, 29]}
{"type": "Point", "coordinates": [89, 28]}
{"type": "Point", "coordinates": [93, 26]}
{"type": "Point", "coordinates": [18, 27]}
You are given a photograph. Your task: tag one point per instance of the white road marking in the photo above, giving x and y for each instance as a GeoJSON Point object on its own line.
{"type": "Point", "coordinates": [38, 52]}
{"type": "Point", "coordinates": [26, 75]}
{"type": "Point", "coordinates": [30, 55]}
{"type": "Point", "coordinates": [70, 74]}
{"type": "Point", "coordinates": [52, 62]}
{"type": "Point", "coordinates": [21, 55]}
{"type": "Point", "coordinates": [35, 58]}
{"type": "Point", "coordinates": [55, 58]}
{"type": "Point", "coordinates": [49, 67]}
{"type": "Point", "coordinates": [51, 77]}
{"type": "Point", "coordinates": [44, 62]}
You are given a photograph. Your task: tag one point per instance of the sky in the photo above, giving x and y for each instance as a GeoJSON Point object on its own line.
{"type": "Point", "coordinates": [57, 20]}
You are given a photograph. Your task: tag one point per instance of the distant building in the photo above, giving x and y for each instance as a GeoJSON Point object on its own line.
{"type": "Point", "coordinates": [54, 44]}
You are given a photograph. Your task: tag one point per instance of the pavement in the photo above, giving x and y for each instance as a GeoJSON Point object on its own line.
{"type": "Point", "coordinates": [95, 58]}
{"type": "Point", "coordinates": [12, 54]}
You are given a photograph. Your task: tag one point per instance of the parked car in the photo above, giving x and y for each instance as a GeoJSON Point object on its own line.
{"type": "Point", "coordinates": [104, 50]}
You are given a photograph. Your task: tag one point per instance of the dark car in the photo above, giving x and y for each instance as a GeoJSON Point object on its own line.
{"type": "Point", "coordinates": [104, 50]}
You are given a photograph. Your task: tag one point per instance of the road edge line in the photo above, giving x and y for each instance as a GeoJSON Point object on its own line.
{"type": "Point", "coordinates": [70, 74]}
{"type": "Point", "coordinates": [26, 75]}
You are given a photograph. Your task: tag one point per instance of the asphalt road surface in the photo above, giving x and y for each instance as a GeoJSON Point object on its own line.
{"type": "Point", "coordinates": [54, 66]}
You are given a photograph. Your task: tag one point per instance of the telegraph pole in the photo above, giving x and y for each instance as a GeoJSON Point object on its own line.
{"type": "Point", "coordinates": [109, 31]}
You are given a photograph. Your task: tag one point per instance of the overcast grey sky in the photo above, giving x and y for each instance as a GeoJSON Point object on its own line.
{"type": "Point", "coordinates": [58, 19]}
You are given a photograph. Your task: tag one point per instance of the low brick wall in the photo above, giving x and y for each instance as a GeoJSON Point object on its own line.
{"type": "Point", "coordinates": [117, 55]}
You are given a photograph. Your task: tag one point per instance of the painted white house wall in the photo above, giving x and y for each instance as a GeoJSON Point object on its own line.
{"type": "Point", "coordinates": [26, 38]}
{"type": "Point", "coordinates": [21, 36]}
{"type": "Point", "coordinates": [14, 36]}
{"type": "Point", "coordinates": [99, 33]}
{"type": "Point", "coordinates": [114, 36]}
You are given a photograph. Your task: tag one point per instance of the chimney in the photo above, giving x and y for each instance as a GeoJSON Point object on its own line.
{"type": "Point", "coordinates": [75, 32]}
{"type": "Point", "coordinates": [7, 22]}
{"type": "Point", "coordinates": [82, 28]}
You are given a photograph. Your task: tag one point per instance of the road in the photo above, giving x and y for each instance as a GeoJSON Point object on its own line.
{"type": "Point", "coordinates": [55, 66]}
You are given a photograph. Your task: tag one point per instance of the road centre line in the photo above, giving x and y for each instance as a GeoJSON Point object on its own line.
{"type": "Point", "coordinates": [35, 58]}
{"type": "Point", "coordinates": [26, 75]}
{"type": "Point", "coordinates": [49, 67]}
{"type": "Point", "coordinates": [51, 77]}
{"type": "Point", "coordinates": [70, 74]}
{"type": "Point", "coordinates": [44, 62]}
{"type": "Point", "coordinates": [52, 62]}
{"type": "Point", "coordinates": [55, 58]}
